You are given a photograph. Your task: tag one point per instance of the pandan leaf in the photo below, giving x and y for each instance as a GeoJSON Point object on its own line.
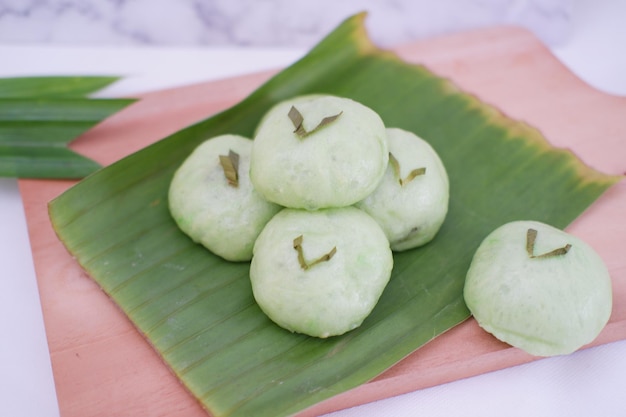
{"type": "Point", "coordinates": [59, 86]}
{"type": "Point", "coordinates": [39, 116]}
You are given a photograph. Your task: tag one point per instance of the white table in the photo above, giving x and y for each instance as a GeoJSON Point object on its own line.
{"type": "Point", "coordinates": [586, 383]}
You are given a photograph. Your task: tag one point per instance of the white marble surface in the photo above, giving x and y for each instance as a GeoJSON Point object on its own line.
{"type": "Point", "coordinates": [26, 382]}
{"type": "Point", "coordinates": [264, 23]}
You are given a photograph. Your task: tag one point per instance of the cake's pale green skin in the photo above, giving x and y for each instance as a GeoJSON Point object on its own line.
{"type": "Point", "coordinates": [410, 214]}
{"type": "Point", "coordinates": [545, 306]}
{"type": "Point", "coordinates": [331, 297]}
{"type": "Point", "coordinates": [224, 219]}
{"type": "Point", "coordinates": [335, 166]}
{"type": "Point", "coordinates": [294, 102]}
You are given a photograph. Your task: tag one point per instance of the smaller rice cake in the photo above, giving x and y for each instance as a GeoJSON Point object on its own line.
{"type": "Point", "coordinates": [318, 151]}
{"type": "Point", "coordinates": [322, 272]}
{"type": "Point", "coordinates": [411, 201]}
{"type": "Point", "coordinates": [538, 288]}
{"type": "Point", "coordinates": [216, 207]}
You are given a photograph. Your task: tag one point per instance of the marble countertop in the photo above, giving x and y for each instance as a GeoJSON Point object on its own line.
{"type": "Point", "coordinates": [222, 39]}
{"type": "Point", "coordinates": [285, 23]}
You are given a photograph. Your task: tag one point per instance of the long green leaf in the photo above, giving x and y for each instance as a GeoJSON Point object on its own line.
{"type": "Point", "coordinates": [60, 86]}
{"type": "Point", "coordinates": [39, 116]}
{"type": "Point", "coordinates": [198, 311]}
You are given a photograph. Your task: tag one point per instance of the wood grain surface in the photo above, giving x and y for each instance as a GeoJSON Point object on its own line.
{"type": "Point", "coordinates": [103, 367]}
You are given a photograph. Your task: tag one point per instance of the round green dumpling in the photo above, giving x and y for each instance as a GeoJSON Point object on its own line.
{"type": "Point", "coordinates": [318, 151]}
{"type": "Point", "coordinates": [411, 201]}
{"type": "Point", "coordinates": [320, 272]}
{"type": "Point", "coordinates": [538, 288]}
{"type": "Point", "coordinates": [224, 217]}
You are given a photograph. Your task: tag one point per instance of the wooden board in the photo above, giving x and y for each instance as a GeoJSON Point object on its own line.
{"type": "Point", "coordinates": [102, 366]}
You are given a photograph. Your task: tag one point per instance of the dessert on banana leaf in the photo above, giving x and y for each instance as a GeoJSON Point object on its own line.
{"type": "Point", "coordinates": [318, 151]}
{"type": "Point", "coordinates": [411, 201]}
{"type": "Point", "coordinates": [212, 199]}
{"type": "Point", "coordinates": [320, 272]}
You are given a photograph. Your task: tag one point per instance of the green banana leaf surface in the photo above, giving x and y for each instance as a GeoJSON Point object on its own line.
{"type": "Point", "coordinates": [39, 116]}
{"type": "Point", "coordinates": [198, 311]}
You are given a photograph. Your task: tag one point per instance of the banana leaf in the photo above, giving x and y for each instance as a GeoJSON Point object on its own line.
{"type": "Point", "coordinates": [39, 116]}
{"type": "Point", "coordinates": [198, 311]}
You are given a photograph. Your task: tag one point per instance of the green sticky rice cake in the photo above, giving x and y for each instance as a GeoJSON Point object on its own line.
{"type": "Point", "coordinates": [547, 298]}
{"type": "Point", "coordinates": [411, 201]}
{"type": "Point", "coordinates": [226, 219]}
{"type": "Point", "coordinates": [318, 151]}
{"type": "Point", "coordinates": [320, 272]}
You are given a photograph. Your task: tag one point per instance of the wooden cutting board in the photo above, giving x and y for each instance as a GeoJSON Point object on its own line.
{"type": "Point", "coordinates": [103, 367]}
